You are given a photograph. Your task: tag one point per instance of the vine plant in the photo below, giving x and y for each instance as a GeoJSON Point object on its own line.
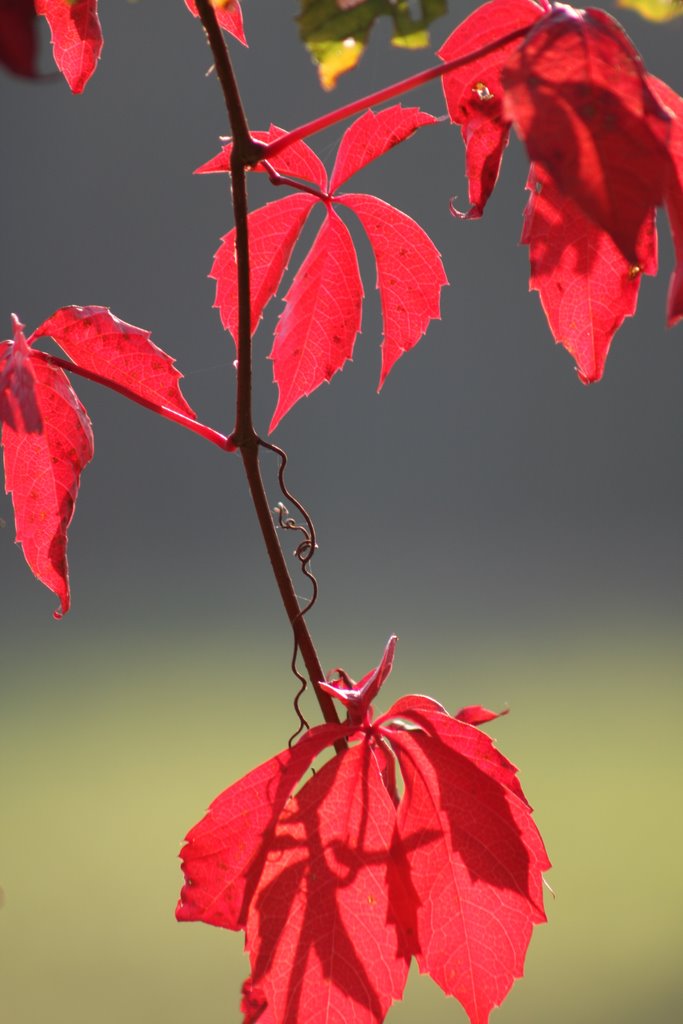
{"type": "Point", "coordinates": [339, 881]}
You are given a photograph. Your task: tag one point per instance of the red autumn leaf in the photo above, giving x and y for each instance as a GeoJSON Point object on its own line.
{"type": "Point", "coordinates": [18, 404]}
{"type": "Point", "coordinates": [373, 134]}
{"type": "Point", "coordinates": [587, 286]}
{"type": "Point", "coordinates": [241, 820]}
{"type": "Point", "coordinates": [43, 469]}
{"type": "Point", "coordinates": [273, 231]}
{"type": "Point", "coordinates": [478, 882]}
{"type": "Point", "coordinates": [18, 36]}
{"type": "Point", "coordinates": [477, 715]}
{"type": "Point", "coordinates": [96, 340]}
{"type": "Point", "coordinates": [673, 196]}
{"type": "Point", "coordinates": [317, 330]}
{"type": "Point", "coordinates": [410, 275]}
{"type": "Point", "coordinates": [316, 333]}
{"type": "Point", "coordinates": [228, 16]}
{"type": "Point", "coordinates": [76, 38]}
{"type": "Point", "coordinates": [322, 934]}
{"type": "Point", "coordinates": [341, 885]}
{"type": "Point", "coordinates": [475, 746]}
{"type": "Point", "coordinates": [46, 435]}
{"type": "Point", "coordinates": [474, 92]}
{"type": "Point", "coordinates": [600, 133]}
{"type": "Point", "coordinates": [254, 1005]}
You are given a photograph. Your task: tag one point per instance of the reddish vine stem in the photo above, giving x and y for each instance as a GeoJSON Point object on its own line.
{"type": "Point", "coordinates": [388, 93]}
{"type": "Point", "coordinates": [245, 152]}
{"type": "Point", "coordinates": [208, 433]}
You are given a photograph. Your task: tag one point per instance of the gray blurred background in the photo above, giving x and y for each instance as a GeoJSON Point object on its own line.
{"type": "Point", "coordinates": [520, 532]}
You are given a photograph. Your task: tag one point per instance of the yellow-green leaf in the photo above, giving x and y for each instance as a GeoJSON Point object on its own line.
{"type": "Point", "coordinates": [654, 10]}
{"type": "Point", "coordinates": [336, 31]}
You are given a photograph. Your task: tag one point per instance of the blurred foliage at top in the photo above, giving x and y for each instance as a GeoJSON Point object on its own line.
{"type": "Point", "coordinates": [336, 32]}
{"type": "Point", "coordinates": [655, 10]}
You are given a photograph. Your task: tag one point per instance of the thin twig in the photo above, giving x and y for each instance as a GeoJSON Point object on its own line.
{"type": "Point", "coordinates": [245, 152]}
{"type": "Point", "coordinates": [397, 89]}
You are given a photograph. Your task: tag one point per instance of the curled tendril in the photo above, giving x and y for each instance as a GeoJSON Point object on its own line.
{"type": "Point", "coordinates": [303, 552]}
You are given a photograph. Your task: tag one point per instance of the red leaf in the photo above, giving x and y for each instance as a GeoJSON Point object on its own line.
{"type": "Point", "coordinates": [341, 885]}
{"type": "Point", "coordinates": [371, 135]}
{"type": "Point", "coordinates": [674, 193]}
{"type": "Point", "coordinates": [322, 937]}
{"type": "Point", "coordinates": [478, 881]}
{"type": "Point", "coordinates": [587, 286]}
{"type": "Point", "coordinates": [318, 328]}
{"type": "Point", "coordinates": [18, 403]}
{"type": "Point", "coordinates": [357, 698]}
{"type": "Point", "coordinates": [76, 38]}
{"type": "Point", "coordinates": [273, 231]}
{"type": "Point", "coordinates": [317, 331]}
{"type": "Point", "coordinates": [410, 274]}
{"type": "Point", "coordinates": [228, 16]}
{"type": "Point", "coordinates": [474, 92]}
{"type": "Point", "coordinates": [477, 715]}
{"type": "Point", "coordinates": [601, 135]}
{"type": "Point", "coordinates": [254, 1006]}
{"type": "Point", "coordinates": [18, 36]}
{"type": "Point", "coordinates": [42, 472]}
{"type": "Point", "coordinates": [297, 160]}
{"type": "Point", "coordinates": [97, 340]}
{"type": "Point", "coordinates": [242, 820]}
{"type": "Point", "coordinates": [457, 734]}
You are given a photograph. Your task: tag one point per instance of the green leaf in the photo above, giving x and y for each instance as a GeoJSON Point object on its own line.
{"type": "Point", "coordinates": [336, 32]}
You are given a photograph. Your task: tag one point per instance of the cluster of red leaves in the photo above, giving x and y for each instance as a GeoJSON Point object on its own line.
{"type": "Point", "coordinates": [606, 143]}
{"type": "Point", "coordinates": [46, 433]}
{"type": "Point", "coordinates": [315, 336]}
{"type": "Point", "coordinates": [76, 34]}
{"type": "Point", "coordinates": [340, 881]}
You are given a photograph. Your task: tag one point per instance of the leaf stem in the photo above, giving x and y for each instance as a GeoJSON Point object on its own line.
{"type": "Point", "coordinates": [283, 179]}
{"type": "Point", "coordinates": [247, 151]}
{"type": "Point", "coordinates": [208, 433]}
{"type": "Point", "coordinates": [397, 89]}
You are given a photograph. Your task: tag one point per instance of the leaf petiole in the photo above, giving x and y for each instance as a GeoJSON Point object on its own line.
{"type": "Point", "coordinates": [319, 124]}
{"type": "Point", "coordinates": [208, 433]}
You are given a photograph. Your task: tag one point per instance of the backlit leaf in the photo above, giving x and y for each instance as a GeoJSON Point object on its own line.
{"type": "Point", "coordinates": [97, 340]}
{"type": "Point", "coordinates": [42, 473]}
{"type": "Point", "coordinates": [273, 231]}
{"type": "Point", "coordinates": [373, 134]}
{"type": "Point", "coordinates": [345, 882]}
{"type": "Point", "coordinates": [228, 16]}
{"type": "Point", "coordinates": [674, 193]}
{"type": "Point", "coordinates": [321, 936]}
{"type": "Point", "coordinates": [76, 38]}
{"type": "Point", "coordinates": [317, 330]}
{"type": "Point", "coordinates": [601, 135]}
{"type": "Point", "coordinates": [474, 92]}
{"type": "Point", "coordinates": [410, 274]}
{"type": "Point", "coordinates": [587, 286]}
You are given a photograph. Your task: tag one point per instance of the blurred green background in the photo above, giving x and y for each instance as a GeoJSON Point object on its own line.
{"type": "Point", "coordinates": [521, 533]}
{"type": "Point", "coordinates": [102, 774]}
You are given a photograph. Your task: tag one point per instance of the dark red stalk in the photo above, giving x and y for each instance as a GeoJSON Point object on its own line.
{"type": "Point", "coordinates": [245, 152]}
{"type": "Point", "coordinates": [208, 433]}
{"type": "Point", "coordinates": [388, 93]}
